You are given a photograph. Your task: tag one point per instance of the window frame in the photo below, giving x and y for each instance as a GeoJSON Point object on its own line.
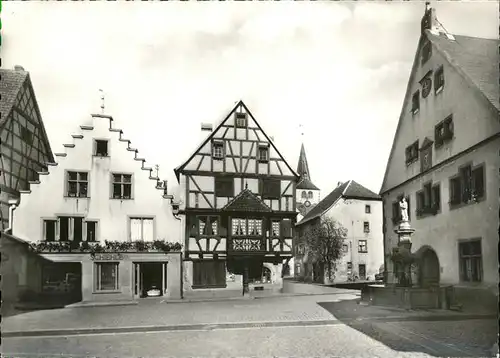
{"type": "Point", "coordinates": [208, 217]}
{"type": "Point", "coordinates": [96, 146]}
{"type": "Point", "coordinates": [467, 185]}
{"type": "Point", "coordinates": [366, 227]}
{"type": "Point", "coordinates": [122, 183]}
{"type": "Point", "coordinates": [216, 144]}
{"type": "Point", "coordinates": [142, 218]}
{"type": "Point", "coordinates": [241, 120]}
{"type": "Point", "coordinates": [415, 102]}
{"type": "Point", "coordinates": [368, 209]}
{"type": "Point", "coordinates": [265, 193]}
{"type": "Point", "coordinates": [247, 226]}
{"type": "Point", "coordinates": [412, 153]}
{"type": "Point", "coordinates": [263, 148]}
{"type": "Point", "coordinates": [220, 180]}
{"type": "Point", "coordinates": [78, 182]}
{"type": "Point", "coordinates": [439, 80]}
{"type": "Point", "coordinates": [98, 276]}
{"type": "Point", "coordinates": [447, 128]}
{"type": "Point", "coordinates": [462, 258]}
{"type": "Point", "coordinates": [71, 233]}
{"type": "Point", "coordinates": [360, 246]}
{"type": "Point", "coordinates": [426, 52]}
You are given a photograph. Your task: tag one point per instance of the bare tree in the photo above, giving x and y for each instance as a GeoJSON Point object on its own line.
{"type": "Point", "coordinates": [323, 243]}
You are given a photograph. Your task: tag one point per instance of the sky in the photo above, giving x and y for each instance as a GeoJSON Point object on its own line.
{"type": "Point", "coordinates": [336, 71]}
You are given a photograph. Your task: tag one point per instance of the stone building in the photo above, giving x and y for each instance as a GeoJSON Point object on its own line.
{"type": "Point", "coordinates": [445, 160]}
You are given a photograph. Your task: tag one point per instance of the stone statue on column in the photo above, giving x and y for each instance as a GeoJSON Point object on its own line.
{"type": "Point", "coordinates": [403, 205]}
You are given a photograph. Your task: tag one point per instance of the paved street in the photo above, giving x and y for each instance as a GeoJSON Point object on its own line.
{"type": "Point", "coordinates": [331, 324]}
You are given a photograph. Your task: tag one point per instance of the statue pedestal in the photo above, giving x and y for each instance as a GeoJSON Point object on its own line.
{"type": "Point", "coordinates": [402, 256]}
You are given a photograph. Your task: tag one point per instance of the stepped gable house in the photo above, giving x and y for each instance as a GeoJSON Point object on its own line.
{"type": "Point", "coordinates": [238, 207]}
{"type": "Point", "coordinates": [101, 220]}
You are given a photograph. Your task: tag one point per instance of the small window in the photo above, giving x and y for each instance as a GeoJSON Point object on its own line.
{"type": "Point", "coordinates": [217, 150]}
{"type": "Point", "coordinates": [478, 183]}
{"type": "Point", "coordinates": [91, 230]}
{"type": "Point", "coordinates": [455, 191]}
{"type": "Point", "coordinates": [26, 135]}
{"type": "Point", "coordinates": [254, 227]}
{"type": "Point", "coordinates": [77, 184]}
{"type": "Point", "coordinates": [368, 209]}
{"type": "Point", "coordinates": [101, 148]}
{"type": "Point", "coordinates": [426, 52]}
{"type": "Point", "coordinates": [263, 153]}
{"type": "Point", "coordinates": [241, 120]}
{"type": "Point", "coordinates": [224, 187]}
{"type": "Point", "coordinates": [366, 226]}
{"type": "Point", "coordinates": [443, 131]}
{"type": "Point", "coordinates": [310, 194]}
{"type": "Point", "coordinates": [141, 229]}
{"type": "Point", "coordinates": [122, 186]}
{"type": "Point", "coordinates": [304, 195]}
{"type": "Point", "coordinates": [362, 246]}
{"type": "Point", "coordinates": [271, 188]}
{"type": "Point", "coordinates": [439, 80]}
{"type": "Point", "coordinates": [471, 261]}
{"type": "Point", "coordinates": [239, 227]}
{"type": "Point", "coordinates": [208, 225]}
{"type": "Point", "coordinates": [412, 153]}
{"type": "Point", "coordinates": [49, 227]}
{"type": "Point", "coordinates": [275, 228]}
{"type": "Point", "coordinates": [106, 276]}
{"type": "Point", "coordinates": [345, 248]}
{"type": "Point", "coordinates": [415, 102]}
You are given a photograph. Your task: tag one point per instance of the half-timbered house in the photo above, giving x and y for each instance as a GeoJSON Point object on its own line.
{"type": "Point", "coordinates": [238, 204]}
{"type": "Point", "coordinates": [25, 149]}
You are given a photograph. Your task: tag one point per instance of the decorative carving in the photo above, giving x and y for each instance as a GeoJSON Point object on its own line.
{"type": "Point", "coordinates": [246, 244]}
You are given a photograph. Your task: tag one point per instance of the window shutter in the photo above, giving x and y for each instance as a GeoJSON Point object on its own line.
{"type": "Point", "coordinates": [478, 182]}
{"type": "Point", "coordinates": [436, 197]}
{"type": "Point", "coordinates": [148, 230]}
{"type": "Point", "coordinates": [286, 226]}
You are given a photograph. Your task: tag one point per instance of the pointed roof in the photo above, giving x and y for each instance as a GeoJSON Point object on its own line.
{"type": "Point", "coordinates": [474, 58]}
{"type": "Point", "coordinates": [247, 201]}
{"type": "Point", "coordinates": [347, 190]}
{"type": "Point", "coordinates": [10, 85]}
{"type": "Point", "coordinates": [303, 171]}
{"type": "Point", "coordinates": [11, 82]}
{"type": "Point", "coordinates": [178, 170]}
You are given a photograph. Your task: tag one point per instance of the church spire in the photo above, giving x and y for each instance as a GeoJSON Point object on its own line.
{"type": "Point", "coordinates": [302, 166]}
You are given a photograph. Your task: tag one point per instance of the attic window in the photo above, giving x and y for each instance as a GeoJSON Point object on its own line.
{"type": "Point", "coordinates": [263, 154]}
{"type": "Point", "coordinates": [426, 52]}
{"type": "Point", "coordinates": [412, 153]}
{"type": "Point", "coordinates": [101, 148]}
{"type": "Point", "coordinates": [415, 102]}
{"type": "Point", "coordinates": [217, 149]}
{"type": "Point", "coordinates": [26, 135]}
{"type": "Point", "coordinates": [241, 120]}
{"type": "Point", "coordinates": [439, 80]}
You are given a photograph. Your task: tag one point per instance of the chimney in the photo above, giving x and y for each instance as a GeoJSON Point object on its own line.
{"type": "Point", "coordinates": [429, 20]}
{"type": "Point", "coordinates": [18, 68]}
{"type": "Point", "coordinates": [206, 127]}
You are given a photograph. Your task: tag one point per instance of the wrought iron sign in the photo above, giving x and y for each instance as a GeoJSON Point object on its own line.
{"type": "Point", "coordinates": [106, 256]}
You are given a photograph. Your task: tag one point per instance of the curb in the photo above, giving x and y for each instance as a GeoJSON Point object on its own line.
{"type": "Point", "coordinates": [166, 328]}
{"type": "Point", "coordinates": [101, 304]}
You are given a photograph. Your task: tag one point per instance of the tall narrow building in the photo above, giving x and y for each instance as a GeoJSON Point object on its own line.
{"type": "Point", "coordinates": [307, 193]}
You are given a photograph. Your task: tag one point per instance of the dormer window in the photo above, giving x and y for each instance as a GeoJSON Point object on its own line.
{"type": "Point", "coordinates": [101, 148]}
{"type": "Point", "coordinates": [439, 80]}
{"type": "Point", "coordinates": [415, 102]}
{"type": "Point", "coordinates": [218, 149]}
{"type": "Point", "coordinates": [241, 120]}
{"type": "Point", "coordinates": [263, 154]}
{"type": "Point", "coordinates": [426, 52]}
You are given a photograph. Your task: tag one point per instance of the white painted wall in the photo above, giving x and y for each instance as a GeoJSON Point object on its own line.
{"type": "Point", "coordinates": [47, 199]}
{"type": "Point", "coordinates": [351, 215]}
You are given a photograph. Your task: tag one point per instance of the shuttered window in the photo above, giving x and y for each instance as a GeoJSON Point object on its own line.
{"type": "Point", "coordinates": [210, 273]}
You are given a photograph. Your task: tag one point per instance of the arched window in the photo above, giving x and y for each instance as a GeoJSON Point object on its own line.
{"type": "Point", "coordinates": [304, 195]}
{"type": "Point", "coordinates": [310, 194]}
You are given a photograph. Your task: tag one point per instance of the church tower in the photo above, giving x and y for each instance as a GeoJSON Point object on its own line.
{"type": "Point", "coordinates": [308, 194]}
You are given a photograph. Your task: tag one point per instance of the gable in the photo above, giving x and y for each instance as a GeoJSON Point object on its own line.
{"type": "Point", "coordinates": [458, 98]}
{"type": "Point", "coordinates": [241, 146]}
{"type": "Point", "coordinates": [247, 201]}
